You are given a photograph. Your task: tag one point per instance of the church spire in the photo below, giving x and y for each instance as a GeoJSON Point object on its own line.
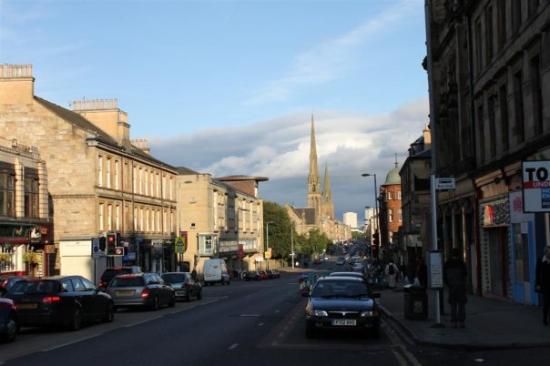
{"type": "Point", "coordinates": [327, 190]}
{"type": "Point", "coordinates": [313, 168]}
{"type": "Point", "coordinates": [313, 181]}
{"type": "Point", "coordinates": [328, 205]}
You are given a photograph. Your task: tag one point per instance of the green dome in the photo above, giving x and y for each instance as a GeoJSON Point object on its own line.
{"type": "Point", "coordinates": [393, 177]}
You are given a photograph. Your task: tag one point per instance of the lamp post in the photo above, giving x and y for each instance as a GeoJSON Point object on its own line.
{"type": "Point", "coordinates": [292, 244]}
{"type": "Point", "coordinates": [375, 201]}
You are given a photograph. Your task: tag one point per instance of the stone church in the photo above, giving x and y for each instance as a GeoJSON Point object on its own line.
{"type": "Point", "coordinates": [319, 213]}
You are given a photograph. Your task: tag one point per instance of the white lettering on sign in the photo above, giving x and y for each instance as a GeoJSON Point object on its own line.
{"type": "Point", "coordinates": [536, 186]}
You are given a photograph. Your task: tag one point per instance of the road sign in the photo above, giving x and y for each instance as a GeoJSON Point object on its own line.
{"type": "Point", "coordinates": [445, 184]}
{"type": "Point", "coordinates": [179, 245]}
{"type": "Point", "coordinates": [536, 186]}
{"type": "Point", "coordinates": [96, 251]}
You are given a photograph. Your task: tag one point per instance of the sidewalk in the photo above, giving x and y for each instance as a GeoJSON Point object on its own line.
{"type": "Point", "coordinates": [490, 323]}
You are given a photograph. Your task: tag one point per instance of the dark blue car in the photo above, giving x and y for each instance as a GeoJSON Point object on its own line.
{"type": "Point", "coordinates": [342, 303]}
{"type": "Point", "coordinates": [8, 320]}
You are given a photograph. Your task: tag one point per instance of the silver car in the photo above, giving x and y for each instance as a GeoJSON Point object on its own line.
{"type": "Point", "coordinates": [184, 285]}
{"type": "Point", "coordinates": [141, 289]}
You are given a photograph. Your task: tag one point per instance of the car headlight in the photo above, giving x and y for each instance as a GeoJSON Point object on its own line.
{"type": "Point", "coordinates": [320, 313]}
{"type": "Point", "coordinates": [368, 313]}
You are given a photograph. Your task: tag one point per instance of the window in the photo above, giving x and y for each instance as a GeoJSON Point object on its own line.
{"type": "Point", "coordinates": [141, 219]}
{"type": "Point", "coordinates": [146, 220]}
{"type": "Point", "coordinates": [400, 215]}
{"type": "Point", "coordinates": [158, 185]}
{"type": "Point", "coordinates": [390, 215]}
{"type": "Point", "coordinates": [164, 187]}
{"type": "Point", "coordinates": [31, 193]}
{"type": "Point", "coordinates": [146, 182]}
{"type": "Point", "coordinates": [399, 195]}
{"type": "Point", "coordinates": [117, 174]}
{"type": "Point", "coordinates": [388, 196]}
{"type": "Point", "coordinates": [108, 173]}
{"type": "Point", "coordinates": [135, 180]}
{"type": "Point", "coordinates": [101, 213]}
{"type": "Point", "coordinates": [100, 171]}
{"type": "Point", "coordinates": [501, 32]}
{"type": "Point", "coordinates": [518, 106]}
{"type": "Point", "coordinates": [536, 94]}
{"type": "Point", "coordinates": [152, 183]}
{"type": "Point", "coordinates": [136, 212]}
{"type": "Point", "coordinates": [164, 223]}
{"type": "Point", "coordinates": [481, 134]}
{"type": "Point", "coordinates": [117, 218]}
{"type": "Point", "coordinates": [492, 127]}
{"type": "Point", "coordinates": [140, 181]}
{"type": "Point", "coordinates": [67, 285]}
{"type": "Point", "coordinates": [479, 48]}
{"type": "Point", "coordinates": [516, 15]}
{"type": "Point", "coordinates": [78, 285]}
{"type": "Point", "coordinates": [109, 217]}
{"type": "Point", "coordinates": [7, 190]}
{"type": "Point", "coordinates": [170, 189]}
{"type": "Point", "coordinates": [489, 33]}
{"type": "Point", "coordinates": [504, 125]}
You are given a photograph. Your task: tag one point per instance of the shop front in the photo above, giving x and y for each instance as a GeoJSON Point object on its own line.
{"type": "Point", "coordinates": [495, 251]}
{"type": "Point", "coordinates": [152, 255]}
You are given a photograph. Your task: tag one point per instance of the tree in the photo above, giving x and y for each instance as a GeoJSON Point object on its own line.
{"type": "Point", "coordinates": [314, 243]}
{"type": "Point", "coordinates": [279, 229]}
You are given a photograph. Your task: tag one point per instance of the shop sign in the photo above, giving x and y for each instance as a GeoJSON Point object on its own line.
{"type": "Point", "coordinates": [536, 185]}
{"type": "Point", "coordinates": [496, 213]}
{"type": "Point", "coordinates": [517, 215]}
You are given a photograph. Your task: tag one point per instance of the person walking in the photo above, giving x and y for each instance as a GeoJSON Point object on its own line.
{"type": "Point", "coordinates": [391, 274]}
{"type": "Point", "coordinates": [455, 276]}
{"type": "Point", "coordinates": [543, 282]}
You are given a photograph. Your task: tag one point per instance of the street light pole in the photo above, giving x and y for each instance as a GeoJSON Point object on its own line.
{"type": "Point", "coordinates": [292, 244]}
{"type": "Point", "coordinates": [267, 241]}
{"type": "Point", "coordinates": [375, 202]}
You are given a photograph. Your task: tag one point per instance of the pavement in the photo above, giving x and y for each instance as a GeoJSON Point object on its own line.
{"type": "Point", "coordinates": [490, 324]}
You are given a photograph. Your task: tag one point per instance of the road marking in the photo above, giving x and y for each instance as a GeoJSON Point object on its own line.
{"type": "Point", "coordinates": [249, 315]}
{"type": "Point", "coordinates": [143, 321]}
{"type": "Point", "coordinates": [72, 342]}
{"type": "Point", "coordinates": [400, 359]}
{"type": "Point", "coordinates": [233, 346]}
{"type": "Point", "coordinates": [394, 338]}
{"type": "Point", "coordinates": [260, 324]}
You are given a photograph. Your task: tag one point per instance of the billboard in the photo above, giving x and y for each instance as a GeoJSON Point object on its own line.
{"type": "Point", "coordinates": [536, 185]}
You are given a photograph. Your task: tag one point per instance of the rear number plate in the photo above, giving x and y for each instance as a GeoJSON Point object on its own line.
{"type": "Point", "coordinates": [125, 293]}
{"type": "Point", "coordinates": [180, 293]}
{"type": "Point", "coordinates": [343, 322]}
{"type": "Point", "coordinates": [26, 306]}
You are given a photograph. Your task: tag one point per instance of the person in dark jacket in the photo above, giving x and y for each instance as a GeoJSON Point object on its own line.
{"type": "Point", "coordinates": [455, 276]}
{"type": "Point", "coordinates": [543, 283]}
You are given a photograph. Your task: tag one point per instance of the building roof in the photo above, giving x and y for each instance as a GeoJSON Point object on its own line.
{"type": "Point", "coordinates": [307, 213]}
{"type": "Point", "coordinates": [186, 171]}
{"type": "Point", "coordinates": [99, 135]}
{"type": "Point", "coordinates": [393, 177]}
{"type": "Point", "coordinates": [242, 177]}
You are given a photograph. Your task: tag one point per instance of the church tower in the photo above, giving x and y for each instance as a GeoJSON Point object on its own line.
{"type": "Point", "coordinates": [327, 204]}
{"type": "Point", "coordinates": [313, 181]}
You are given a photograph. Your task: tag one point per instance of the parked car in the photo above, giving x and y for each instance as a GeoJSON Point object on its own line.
{"type": "Point", "coordinates": [263, 275]}
{"type": "Point", "coordinates": [344, 303]}
{"type": "Point", "coordinates": [111, 272]}
{"type": "Point", "coordinates": [340, 261]}
{"type": "Point", "coordinates": [184, 285]}
{"type": "Point", "coordinates": [317, 261]}
{"type": "Point", "coordinates": [251, 276]}
{"type": "Point", "coordinates": [67, 301]}
{"type": "Point", "coordinates": [9, 325]}
{"type": "Point", "coordinates": [215, 271]}
{"type": "Point", "coordinates": [347, 274]}
{"type": "Point", "coordinates": [273, 273]}
{"type": "Point", "coordinates": [141, 289]}
{"type": "Point", "coordinates": [8, 280]}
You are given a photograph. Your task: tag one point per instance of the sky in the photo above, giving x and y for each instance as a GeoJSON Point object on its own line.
{"type": "Point", "coordinates": [229, 86]}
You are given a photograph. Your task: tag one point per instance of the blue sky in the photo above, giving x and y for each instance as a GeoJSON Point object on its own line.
{"type": "Point", "coordinates": [188, 71]}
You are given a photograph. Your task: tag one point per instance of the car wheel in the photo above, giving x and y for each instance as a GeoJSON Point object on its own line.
{"type": "Point", "coordinates": [109, 313]}
{"type": "Point", "coordinates": [76, 320]}
{"type": "Point", "coordinates": [156, 303]}
{"type": "Point", "coordinates": [11, 329]}
{"type": "Point", "coordinates": [172, 302]}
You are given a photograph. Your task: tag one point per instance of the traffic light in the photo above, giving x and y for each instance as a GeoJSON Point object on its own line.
{"type": "Point", "coordinates": [112, 243]}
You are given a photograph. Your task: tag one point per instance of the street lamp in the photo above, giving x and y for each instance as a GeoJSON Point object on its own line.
{"type": "Point", "coordinates": [267, 240]}
{"type": "Point", "coordinates": [375, 198]}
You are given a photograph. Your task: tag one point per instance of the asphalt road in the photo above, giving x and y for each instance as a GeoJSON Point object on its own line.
{"type": "Point", "coordinates": [258, 323]}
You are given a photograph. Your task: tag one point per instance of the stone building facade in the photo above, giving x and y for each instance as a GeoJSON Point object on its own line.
{"type": "Point", "coordinates": [491, 92]}
{"type": "Point", "coordinates": [390, 209]}
{"type": "Point", "coordinates": [99, 181]}
{"type": "Point", "coordinates": [26, 243]}
{"type": "Point", "coordinates": [222, 218]}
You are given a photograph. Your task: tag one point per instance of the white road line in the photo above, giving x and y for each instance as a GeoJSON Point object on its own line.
{"type": "Point", "coordinates": [395, 339]}
{"type": "Point", "coordinates": [142, 321]}
{"type": "Point", "coordinates": [233, 346]}
{"type": "Point", "coordinates": [260, 324]}
{"type": "Point", "coordinates": [249, 315]}
{"type": "Point", "coordinates": [72, 342]}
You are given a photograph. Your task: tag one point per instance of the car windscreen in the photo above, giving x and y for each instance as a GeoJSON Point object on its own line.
{"type": "Point", "coordinates": [174, 277]}
{"type": "Point", "coordinates": [34, 287]}
{"type": "Point", "coordinates": [109, 274]}
{"type": "Point", "coordinates": [127, 282]}
{"type": "Point", "coordinates": [340, 288]}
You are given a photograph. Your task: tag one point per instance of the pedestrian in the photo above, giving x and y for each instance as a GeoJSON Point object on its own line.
{"type": "Point", "coordinates": [194, 274]}
{"type": "Point", "coordinates": [391, 274]}
{"type": "Point", "coordinates": [455, 276]}
{"type": "Point", "coordinates": [543, 282]}
{"type": "Point", "coordinates": [422, 272]}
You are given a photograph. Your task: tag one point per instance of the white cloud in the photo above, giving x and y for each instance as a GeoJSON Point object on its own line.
{"type": "Point", "coordinates": [330, 59]}
{"type": "Point", "coordinates": [279, 149]}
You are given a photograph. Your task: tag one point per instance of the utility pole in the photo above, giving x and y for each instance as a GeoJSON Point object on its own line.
{"type": "Point", "coordinates": [292, 244]}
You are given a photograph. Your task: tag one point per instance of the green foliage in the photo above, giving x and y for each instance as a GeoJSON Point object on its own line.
{"type": "Point", "coordinates": [314, 243]}
{"type": "Point", "coordinates": [279, 229]}
{"type": "Point", "coordinates": [358, 235]}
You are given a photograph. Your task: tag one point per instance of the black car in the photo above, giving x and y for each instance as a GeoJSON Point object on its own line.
{"type": "Point", "coordinates": [9, 325]}
{"type": "Point", "coordinates": [67, 301]}
{"type": "Point", "coordinates": [184, 285]}
{"type": "Point", "coordinates": [342, 303]}
{"type": "Point", "coordinates": [7, 281]}
{"type": "Point", "coordinates": [252, 276]}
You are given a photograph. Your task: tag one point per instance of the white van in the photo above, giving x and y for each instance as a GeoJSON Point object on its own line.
{"type": "Point", "coordinates": [215, 271]}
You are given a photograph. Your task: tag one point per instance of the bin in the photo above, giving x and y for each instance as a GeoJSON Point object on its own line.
{"type": "Point", "coordinates": [415, 302]}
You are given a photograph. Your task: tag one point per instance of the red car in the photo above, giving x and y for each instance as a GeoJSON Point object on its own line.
{"type": "Point", "coordinates": [263, 275]}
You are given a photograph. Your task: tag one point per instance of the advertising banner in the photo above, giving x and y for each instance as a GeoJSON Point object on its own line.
{"type": "Point", "coordinates": [536, 185]}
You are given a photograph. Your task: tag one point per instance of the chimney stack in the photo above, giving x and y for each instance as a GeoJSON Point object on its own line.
{"type": "Point", "coordinates": [106, 115]}
{"type": "Point", "coordinates": [16, 84]}
{"type": "Point", "coordinates": [142, 144]}
{"type": "Point", "coordinates": [426, 133]}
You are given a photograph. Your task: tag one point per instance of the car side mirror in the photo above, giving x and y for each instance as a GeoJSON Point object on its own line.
{"type": "Point", "coordinates": [375, 295]}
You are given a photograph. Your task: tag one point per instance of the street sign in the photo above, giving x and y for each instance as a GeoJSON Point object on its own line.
{"type": "Point", "coordinates": [435, 269]}
{"type": "Point", "coordinates": [96, 251]}
{"type": "Point", "coordinates": [445, 184]}
{"type": "Point", "coordinates": [536, 186]}
{"type": "Point", "coordinates": [179, 245]}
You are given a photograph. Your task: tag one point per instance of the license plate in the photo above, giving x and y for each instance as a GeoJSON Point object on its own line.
{"type": "Point", "coordinates": [26, 306]}
{"type": "Point", "coordinates": [180, 293]}
{"type": "Point", "coordinates": [344, 322]}
{"type": "Point", "coordinates": [125, 293]}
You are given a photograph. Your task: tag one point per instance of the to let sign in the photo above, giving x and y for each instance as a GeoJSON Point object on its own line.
{"type": "Point", "coordinates": [536, 186]}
